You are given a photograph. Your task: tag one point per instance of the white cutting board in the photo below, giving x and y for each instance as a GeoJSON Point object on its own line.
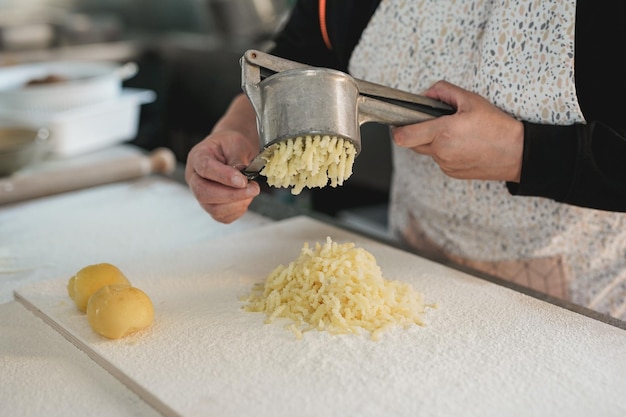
{"type": "Point", "coordinates": [486, 351]}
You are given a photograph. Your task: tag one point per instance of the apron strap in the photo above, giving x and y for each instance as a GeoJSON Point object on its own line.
{"type": "Point", "coordinates": [323, 27]}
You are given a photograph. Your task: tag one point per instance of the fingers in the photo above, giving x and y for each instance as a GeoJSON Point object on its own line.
{"type": "Point", "coordinates": [228, 213]}
{"type": "Point", "coordinates": [478, 141]}
{"type": "Point", "coordinates": [446, 92]}
{"type": "Point", "coordinates": [212, 192]}
{"type": "Point", "coordinates": [212, 169]}
{"type": "Point", "coordinates": [223, 202]}
{"type": "Point", "coordinates": [227, 204]}
{"type": "Point", "coordinates": [220, 188]}
{"type": "Point", "coordinates": [219, 158]}
{"type": "Point", "coordinates": [419, 136]}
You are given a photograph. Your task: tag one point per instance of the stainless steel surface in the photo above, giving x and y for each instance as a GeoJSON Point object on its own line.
{"type": "Point", "coordinates": [292, 99]}
{"type": "Point", "coordinates": [306, 102]}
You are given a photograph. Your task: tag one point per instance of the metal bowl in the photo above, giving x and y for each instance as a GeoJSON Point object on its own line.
{"type": "Point", "coordinates": [21, 147]}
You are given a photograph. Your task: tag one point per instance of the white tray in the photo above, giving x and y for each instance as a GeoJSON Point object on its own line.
{"type": "Point", "coordinates": [90, 127]}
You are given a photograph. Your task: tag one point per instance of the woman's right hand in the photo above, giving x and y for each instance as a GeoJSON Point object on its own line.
{"type": "Point", "coordinates": [213, 165]}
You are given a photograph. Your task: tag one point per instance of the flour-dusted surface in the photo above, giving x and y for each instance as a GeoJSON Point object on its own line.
{"type": "Point", "coordinates": [28, 368]}
{"type": "Point", "coordinates": [486, 351]}
{"type": "Point", "coordinates": [60, 234]}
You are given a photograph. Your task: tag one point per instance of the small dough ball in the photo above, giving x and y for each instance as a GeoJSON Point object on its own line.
{"type": "Point", "coordinates": [90, 279]}
{"type": "Point", "coordinates": [115, 311]}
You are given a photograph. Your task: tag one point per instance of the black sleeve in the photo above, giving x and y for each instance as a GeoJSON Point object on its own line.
{"type": "Point", "coordinates": [585, 164]}
{"type": "Point", "coordinates": [301, 39]}
{"type": "Point", "coordinates": [580, 164]}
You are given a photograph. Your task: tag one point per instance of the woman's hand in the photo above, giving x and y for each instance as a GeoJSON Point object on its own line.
{"type": "Point", "coordinates": [213, 165]}
{"type": "Point", "coordinates": [479, 141]}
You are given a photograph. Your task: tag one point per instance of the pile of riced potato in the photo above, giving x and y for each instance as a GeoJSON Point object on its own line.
{"type": "Point", "coordinates": [338, 288]}
{"type": "Point", "coordinates": [114, 308]}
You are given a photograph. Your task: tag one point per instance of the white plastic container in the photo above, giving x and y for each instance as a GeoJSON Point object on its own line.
{"type": "Point", "coordinates": [82, 83]}
{"type": "Point", "coordinates": [89, 127]}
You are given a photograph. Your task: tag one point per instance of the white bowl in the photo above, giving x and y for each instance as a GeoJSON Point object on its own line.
{"type": "Point", "coordinates": [81, 83]}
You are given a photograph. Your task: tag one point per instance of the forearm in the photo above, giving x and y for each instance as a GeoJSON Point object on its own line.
{"type": "Point", "coordinates": [239, 117]}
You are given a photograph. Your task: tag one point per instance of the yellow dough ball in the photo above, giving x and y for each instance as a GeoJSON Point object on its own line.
{"type": "Point", "coordinates": [115, 311]}
{"type": "Point", "coordinates": [90, 279]}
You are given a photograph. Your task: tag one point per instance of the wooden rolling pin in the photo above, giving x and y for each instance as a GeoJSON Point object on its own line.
{"type": "Point", "coordinates": [40, 184]}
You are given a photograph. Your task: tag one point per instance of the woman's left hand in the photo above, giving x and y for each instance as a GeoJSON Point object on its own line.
{"type": "Point", "coordinates": [479, 141]}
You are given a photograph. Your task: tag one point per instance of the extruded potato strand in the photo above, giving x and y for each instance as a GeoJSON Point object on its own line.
{"type": "Point", "coordinates": [309, 161]}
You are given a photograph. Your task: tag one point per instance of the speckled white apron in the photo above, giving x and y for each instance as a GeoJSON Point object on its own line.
{"type": "Point", "coordinates": [520, 55]}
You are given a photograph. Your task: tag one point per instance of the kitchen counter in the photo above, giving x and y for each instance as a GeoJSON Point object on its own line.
{"type": "Point", "coordinates": [53, 237]}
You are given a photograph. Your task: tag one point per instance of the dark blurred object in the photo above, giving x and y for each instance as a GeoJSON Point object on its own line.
{"type": "Point", "coordinates": [194, 84]}
{"type": "Point", "coordinates": [247, 19]}
{"type": "Point", "coordinates": [370, 182]}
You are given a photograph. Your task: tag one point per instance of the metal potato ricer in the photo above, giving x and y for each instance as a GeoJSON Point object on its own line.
{"type": "Point", "coordinates": [292, 99]}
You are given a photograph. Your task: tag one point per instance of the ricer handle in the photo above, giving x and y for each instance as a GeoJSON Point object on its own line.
{"type": "Point", "coordinates": [270, 64]}
{"type": "Point", "coordinates": [377, 103]}
{"type": "Point", "coordinates": [396, 113]}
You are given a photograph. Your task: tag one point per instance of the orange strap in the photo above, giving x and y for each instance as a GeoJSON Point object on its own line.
{"type": "Point", "coordinates": [323, 28]}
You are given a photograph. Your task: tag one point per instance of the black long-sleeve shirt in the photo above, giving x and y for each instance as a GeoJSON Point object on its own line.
{"type": "Point", "coordinates": [582, 164]}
